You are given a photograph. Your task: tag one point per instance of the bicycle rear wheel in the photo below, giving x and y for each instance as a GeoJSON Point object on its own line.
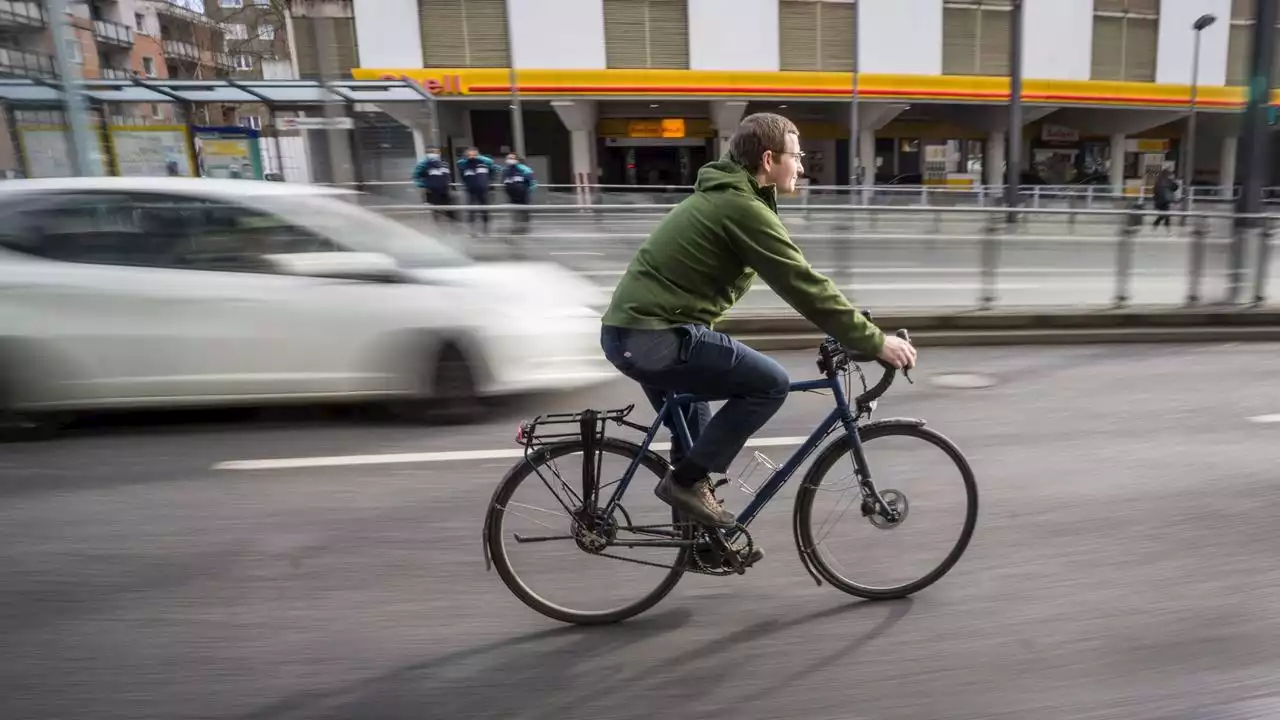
{"type": "Point", "coordinates": [832, 475]}
{"type": "Point", "coordinates": [559, 534]}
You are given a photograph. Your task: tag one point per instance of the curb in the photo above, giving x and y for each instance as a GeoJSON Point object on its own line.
{"type": "Point", "coordinates": [785, 332]}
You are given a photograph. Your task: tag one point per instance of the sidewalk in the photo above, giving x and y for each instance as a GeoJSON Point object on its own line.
{"type": "Point", "coordinates": [1029, 326]}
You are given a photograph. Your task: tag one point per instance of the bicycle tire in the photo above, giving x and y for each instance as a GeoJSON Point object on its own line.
{"type": "Point", "coordinates": [497, 550]}
{"type": "Point", "coordinates": [823, 464]}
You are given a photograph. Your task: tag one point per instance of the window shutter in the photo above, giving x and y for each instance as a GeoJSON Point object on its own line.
{"type": "Point", "coordinates": [625, 31]}
{"type": "Point", "coordinates": [1244, 9]}
{"type": "Point", "coordinates": [1109, 6]}
{"type": "Point", "coordinates": [668, 34]}
{"type": "Point", "coordinates": [798, 35]}
{"type": "Point", "coordinates": [1141, 36]}
{"type": "Point", "coordinates": [444, 33]}
{"type": "Point", "coordinates": [993, 51]}
{"type": "Point", "coordinates": [835, 36]}
{"type": "Point", "coordinates": [486, 22]}
{"type": "Point", "coordinates": [1108, 48]}
{"type": "Point", "coordinates": [1239, 54]}
{"type": "Point", "coordinates": [959, 41]}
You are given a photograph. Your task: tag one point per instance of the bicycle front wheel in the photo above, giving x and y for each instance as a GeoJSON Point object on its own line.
{"type": "Point", "coordinates": [917, 471]}
{"type": "Point", "coordinates": [576, 565]}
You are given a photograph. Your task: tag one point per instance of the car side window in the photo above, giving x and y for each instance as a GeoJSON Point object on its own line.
{"type": "Point", "coordinates": [91, 228]}
{"type": "Point", "coordinates": [219, 236]}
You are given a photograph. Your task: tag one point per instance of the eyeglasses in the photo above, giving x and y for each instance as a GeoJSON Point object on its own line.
{"type": "Point", "coordinates": [799, 155]}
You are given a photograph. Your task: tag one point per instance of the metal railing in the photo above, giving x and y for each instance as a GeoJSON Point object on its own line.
{"type": "Point", "coordinates": [181, 50]}
{"type": "Point", "coordinates": [113, 73]}
{"type": "Point", "coordinates": [22, 13]}
{"type": "Point", "coordinates": [1031, 196]}
{"type": "Point", "coordinates": [879, 259]}
{"type": "Point", "coordinates": [110, 31]}
{"type": "Point", "coordinates": [26, 64]}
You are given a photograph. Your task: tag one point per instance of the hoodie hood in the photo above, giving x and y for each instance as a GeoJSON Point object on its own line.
{"type": "Point", "coordinates": [725, 175]}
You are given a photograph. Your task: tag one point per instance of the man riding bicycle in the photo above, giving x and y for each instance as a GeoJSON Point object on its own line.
{"type": "Point", "coordinates": [689, 272]}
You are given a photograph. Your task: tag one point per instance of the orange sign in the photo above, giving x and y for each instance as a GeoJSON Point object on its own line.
{"type": "Point", "coordinates": [664, 128]}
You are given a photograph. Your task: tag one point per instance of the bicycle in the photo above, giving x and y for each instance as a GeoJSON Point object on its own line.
{"type": "Point", "coordinates": [595, 527]}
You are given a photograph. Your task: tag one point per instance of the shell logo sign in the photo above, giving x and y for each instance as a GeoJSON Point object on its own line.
{"type": "Point", "coordinates": [445, 84]}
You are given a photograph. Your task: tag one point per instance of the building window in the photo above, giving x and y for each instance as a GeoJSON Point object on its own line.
{"type": "Point", "coordinates": [646, 33]}
{"type": "Point", "coordinates": [975, 37]}
{"type": "Point", "coordinates": [149, 66]}
{"type": "Point", "coordinates": [140, 23]}
{"type": "Point", "coordinates": [231, 3]}
{"type": "Point", "coordinates": [1125, 34]}
{"type": "Point", "coordinates": [236, 31]}
{"type": "Point", "coordinates": [244, 62]}
{"type": "Point", "coordinates": [266, 32]}
{"type": "Point", "coordinates": [817, 34]}
{"type": "Point", "coordinates": [251, 121]}
{"type": "Point", "coordinates": [464, 33]}
{"type": "Point", "coordinates": [326, 46]}
{"type": "Point", "coordinates": [73, 50]}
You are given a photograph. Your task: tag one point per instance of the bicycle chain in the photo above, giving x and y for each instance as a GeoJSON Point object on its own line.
{"type": "Point", "coordinates": [701, 568]}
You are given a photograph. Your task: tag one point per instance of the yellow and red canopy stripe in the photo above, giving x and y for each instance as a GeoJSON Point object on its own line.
{"type": "Point", "coordinates": [495, 82]}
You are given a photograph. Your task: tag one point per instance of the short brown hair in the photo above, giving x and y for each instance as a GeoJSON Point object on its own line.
{"type": "Point", "coordinates": [757, 133]}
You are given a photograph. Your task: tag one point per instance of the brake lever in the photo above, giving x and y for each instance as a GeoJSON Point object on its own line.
{"type": "Point", "coordinates": [906, 371]}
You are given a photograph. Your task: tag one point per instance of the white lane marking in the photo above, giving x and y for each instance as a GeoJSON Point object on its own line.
{"type": "Point", "coordinates": [430, 457]}
{"type": "Point", "coordinates": [1265, 419]}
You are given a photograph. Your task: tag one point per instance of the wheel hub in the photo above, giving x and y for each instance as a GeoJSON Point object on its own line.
{"type": "Point", "coordinates": [897, 502]}
{"type": "Point", "coordinates": [593, 530]}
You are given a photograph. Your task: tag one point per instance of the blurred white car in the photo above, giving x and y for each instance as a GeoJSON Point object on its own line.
{"type": "Point", "coordinates": [168, 292]}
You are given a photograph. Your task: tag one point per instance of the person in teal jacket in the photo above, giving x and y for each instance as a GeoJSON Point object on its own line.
{"type": "Point", "coordinates": [518, 180]}
{"type": "Point", "coordinates": [477, 173]}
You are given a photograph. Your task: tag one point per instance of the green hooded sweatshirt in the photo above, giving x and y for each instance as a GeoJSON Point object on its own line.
{"type": "Point", "coordinates": [706, 252]}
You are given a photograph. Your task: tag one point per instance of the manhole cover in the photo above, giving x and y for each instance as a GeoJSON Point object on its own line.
{"type": "Point", "coordinates": [964, 381]}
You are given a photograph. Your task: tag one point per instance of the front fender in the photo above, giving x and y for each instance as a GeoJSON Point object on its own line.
{"type": "Point", "coordinates": [893, 421]}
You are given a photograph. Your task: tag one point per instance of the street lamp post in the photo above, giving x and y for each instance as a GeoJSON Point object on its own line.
{"type": "Point", "coordinates": [80, 139]}
{"type": "Point", "coordinates": [1013, 159]}
{"type": "Point", "coordinates": [1188, 165]}
{"type": "Point", "coordinates": [517, 112]}
{"type": "Point", "coordinates": [855, 142]}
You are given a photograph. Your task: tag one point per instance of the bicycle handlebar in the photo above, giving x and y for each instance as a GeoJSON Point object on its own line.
{"type": "Point", "coordinates": [834, 358]}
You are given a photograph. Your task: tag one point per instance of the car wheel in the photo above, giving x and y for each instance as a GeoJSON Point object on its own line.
{"type": "Point", "coordinates": [21, 427]}
{"type": "Point", "coordinates": [449, 393]}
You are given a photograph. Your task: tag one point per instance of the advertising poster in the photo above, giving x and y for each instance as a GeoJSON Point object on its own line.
{"type": "Point", "coordinates": [151, 151]}
{"type": "Point", "coordinates": [229, 152]}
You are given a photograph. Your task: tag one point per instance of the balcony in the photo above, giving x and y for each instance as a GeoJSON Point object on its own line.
{"type": "Point", "coordinates": [21, 63]}
{"type": "Point", "coordinates": [21, 14]}
{"type": "Point", "coordinates": [113, 33]}
{"type": "Point", "coordinates": [112, 73]}
{"type": "Point", "coordinates": [174, 9]}
{"type": "Point", "coordinates": [178, 50]}
{"type": "Point", "coordinates": [224, 61]}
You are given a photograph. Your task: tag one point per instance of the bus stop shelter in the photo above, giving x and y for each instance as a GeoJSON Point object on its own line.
{"type": "Point", "coordinates": [131, 141]}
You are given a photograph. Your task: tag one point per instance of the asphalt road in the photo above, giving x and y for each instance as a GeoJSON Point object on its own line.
{"type": "Point", "coordinates": [1124, 566]}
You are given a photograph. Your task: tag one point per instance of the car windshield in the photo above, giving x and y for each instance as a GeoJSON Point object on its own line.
{"type": "Point", "coordinates": [361, 230]}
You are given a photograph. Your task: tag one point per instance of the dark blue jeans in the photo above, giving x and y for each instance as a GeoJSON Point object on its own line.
{"type": "Point", "coordinates": [696, 359]}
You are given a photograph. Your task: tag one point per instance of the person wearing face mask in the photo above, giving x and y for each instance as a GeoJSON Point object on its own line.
{"type": "Point", "coordinates": [699, 261]}
{"type": "Point", "coordinates": [432, 177]}
{"type": "Point", "coordinates": [477, 172]}
{"type": "Point", "coordinates": [517, 178]}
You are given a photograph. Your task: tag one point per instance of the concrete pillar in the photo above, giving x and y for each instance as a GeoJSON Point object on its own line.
{"type": "Point", "coordinates": [867, 153]}
{"type": "Point", "coordinates": [725, 116]}
{"type": "Point", "coordinates": [1227, 166]}
{"type": "Point", "coordinates": [993, 159]}
{"type": "Point", "coordinates": [1117, 163]}
{"type": "Point", "coordinates": [579, 118]}
{"type": "Point", "coordinates": [419, 143]}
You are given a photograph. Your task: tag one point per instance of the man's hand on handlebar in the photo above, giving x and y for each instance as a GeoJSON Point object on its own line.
{"type": "Point", "coordinates": [898, 352]}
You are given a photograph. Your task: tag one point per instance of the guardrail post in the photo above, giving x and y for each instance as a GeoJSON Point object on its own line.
{"type": "Point", "coordinates": [1195, 270]}
{"type": "Point", "coordinates": [1124, 256]}
{"type": "Point", "coordinates": [990, 259]}
{"type": "Point", "coordinates": [1264, 259]}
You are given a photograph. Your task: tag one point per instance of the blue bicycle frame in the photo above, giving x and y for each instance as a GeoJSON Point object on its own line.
{"type": "Point", "coordinates": [841, 414]}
